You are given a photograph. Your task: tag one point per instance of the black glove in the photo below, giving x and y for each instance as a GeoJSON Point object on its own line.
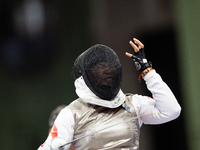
{"type": "Point", "coordinates": [141, 62]}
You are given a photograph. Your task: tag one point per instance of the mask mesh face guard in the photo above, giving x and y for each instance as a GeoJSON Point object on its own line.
{"type": "Point", "coordinates": [101, 71]}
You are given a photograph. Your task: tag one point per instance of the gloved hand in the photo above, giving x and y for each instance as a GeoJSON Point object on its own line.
{"type": "Point", "coordinates": [141, 62]}
{"type": "Point", "coordinates": [57, 142]}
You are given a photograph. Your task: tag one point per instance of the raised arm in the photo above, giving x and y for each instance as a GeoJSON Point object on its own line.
{"type": "Point", "coordinates": [163, 107]}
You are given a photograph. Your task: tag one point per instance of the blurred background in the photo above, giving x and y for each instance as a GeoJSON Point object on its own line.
{"type": "Point", "coordinates": [40, 39]}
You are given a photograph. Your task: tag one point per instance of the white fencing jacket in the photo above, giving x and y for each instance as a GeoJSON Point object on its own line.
{"type": "Point", "coordinates": [162, 107]}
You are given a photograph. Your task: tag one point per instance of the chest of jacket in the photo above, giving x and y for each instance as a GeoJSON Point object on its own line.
{"type": "Point", "coordinates": [114, 131]}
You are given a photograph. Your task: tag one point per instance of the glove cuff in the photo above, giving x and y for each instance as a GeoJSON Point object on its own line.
{"type": "Point", "coordinates": [144, 72]}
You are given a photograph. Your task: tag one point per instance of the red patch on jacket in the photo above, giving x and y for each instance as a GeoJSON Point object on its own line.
{"type": "Point", "coordinates": [43, 144]}
{"type": "Point", "coordinates": [54, 131]}
{"type": "Point", "coordinates": [151, 98]}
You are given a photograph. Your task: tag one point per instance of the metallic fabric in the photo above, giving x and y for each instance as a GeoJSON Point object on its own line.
{"type": "Point", "coordinates": [89, 118]}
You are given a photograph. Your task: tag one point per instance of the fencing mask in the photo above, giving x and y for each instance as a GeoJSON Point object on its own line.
{"type": "Point", "coordinates": [101, 70]}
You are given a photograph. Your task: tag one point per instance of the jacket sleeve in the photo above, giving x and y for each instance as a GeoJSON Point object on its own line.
{"type": "Point", "coordinates": [62, 131]}
{"type": "Point", "coordinates": [163, 107]}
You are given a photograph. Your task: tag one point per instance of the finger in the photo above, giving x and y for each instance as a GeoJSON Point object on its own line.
{"type": "Point", "coordinates": [140, 45]}
{"type": "Point", "coordinates": [128, 54]}
{"type": "Point", "coordinates": [131, 56]}
{"type": "Point", "coordinates": [136, 49]}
